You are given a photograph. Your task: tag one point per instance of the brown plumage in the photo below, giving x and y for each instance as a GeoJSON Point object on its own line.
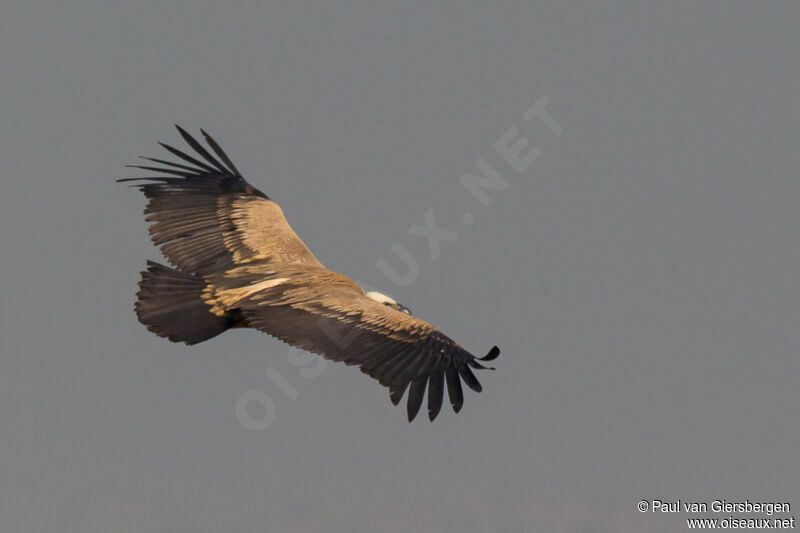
{"type": "Point", "coordinates": [239, 264]}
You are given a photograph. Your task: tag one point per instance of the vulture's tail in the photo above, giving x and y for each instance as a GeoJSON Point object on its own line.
{"type": "Point", "coordinates": [170, 305]}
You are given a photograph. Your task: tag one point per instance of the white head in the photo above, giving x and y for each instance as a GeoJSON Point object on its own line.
{"type": "Point", "coordinates": [387, 301]}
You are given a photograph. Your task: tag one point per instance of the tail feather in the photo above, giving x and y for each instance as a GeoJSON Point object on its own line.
{"type": "Point", "coordinates": [170, 304]}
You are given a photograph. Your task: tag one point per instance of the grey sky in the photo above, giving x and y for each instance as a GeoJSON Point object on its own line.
{"type": "Point", "coordinates": [640, 276]}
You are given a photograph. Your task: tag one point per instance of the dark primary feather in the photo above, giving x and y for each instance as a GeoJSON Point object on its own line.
{"type": "Point", "coordinates": [469, 378]}
{"type": "Point", "coordinates": [454, 388]}
{"type": "Point", "coordinates": [217, 150]}
{"type": "Point", "coordinates": [435, 393]}
{"type": "Point", "coordinates": [415, 396]}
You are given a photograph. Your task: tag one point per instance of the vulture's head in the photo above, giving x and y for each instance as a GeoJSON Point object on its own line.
{"type": "Point", "coordinates": [387, 301]}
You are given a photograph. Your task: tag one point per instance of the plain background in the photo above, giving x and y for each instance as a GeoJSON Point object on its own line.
{"type": "Point", "coordinates": [642, 277]}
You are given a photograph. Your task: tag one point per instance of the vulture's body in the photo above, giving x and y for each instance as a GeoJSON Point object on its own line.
{"type": "Point", "coordinates": [239, 264]}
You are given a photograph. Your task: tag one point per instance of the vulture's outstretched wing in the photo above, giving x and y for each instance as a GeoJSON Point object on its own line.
{"type": "Point", "coordinates": [327, 313]}
{"type": "Point", "coordinates": [207, 218]}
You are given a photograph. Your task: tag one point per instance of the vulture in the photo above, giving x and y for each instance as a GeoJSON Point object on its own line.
{"type": "Point", "coordinates": [237, 263]}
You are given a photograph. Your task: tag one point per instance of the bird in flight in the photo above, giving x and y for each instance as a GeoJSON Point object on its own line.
{"type": "Point", "coordinates": [238, 264]}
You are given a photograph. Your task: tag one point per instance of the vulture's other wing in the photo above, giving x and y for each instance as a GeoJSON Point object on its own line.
{"type": "Point", "coordinates": [326, 313]}
{"type": "Point", "coordinates": [207, 218]}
